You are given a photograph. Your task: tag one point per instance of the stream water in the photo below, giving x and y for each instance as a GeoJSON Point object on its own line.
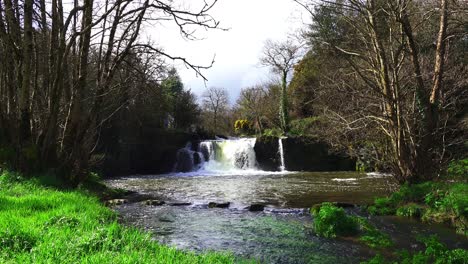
{"type": "Point", "coordinates": [282, 232]}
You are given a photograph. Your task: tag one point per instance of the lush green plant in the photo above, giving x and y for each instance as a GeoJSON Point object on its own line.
{"type": "Point", "coordinates": [458, 168]}
{"type": "Point", "coordinates": [432, 201]}
{"type": "Point", "coordinates": [44, 225]}
{"type": "Point", "coordinates": [272, 132]}
{"type": "Point", "coordinates": [416, 193]}
{"type": "Point", "coordinates": [302, 126]}
{"type": "Point", "coordinates": [332, 221]}
{"type": "Point", "coordinates": [410, 210]}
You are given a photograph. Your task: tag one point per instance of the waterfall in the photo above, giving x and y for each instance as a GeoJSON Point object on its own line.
{"type": "Point", "coordinates": [218, 155]}
{"type": "Point", "coordinates": [282, 167]}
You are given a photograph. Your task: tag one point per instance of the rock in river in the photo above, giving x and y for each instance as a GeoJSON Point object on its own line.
{"type": "Point", "coordinates": [218, 205]}
{"type": "Point", "coordinates": [114, 202]}
{"type": "Point", "coordinates": [154, 202]}
{"type": "Point", "coordinates": [256, 207]}
{"type": "Point", "coordinates": [178, 203]}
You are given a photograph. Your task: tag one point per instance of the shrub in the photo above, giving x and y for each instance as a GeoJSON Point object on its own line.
{"type": "Point", "coordinates": [303, 126]}
{"type": "Point", "coordinates": [331, 221]}
{"type": "Point", "coordinates": [410, 210]}
{"type": "Point", "coordinates": [458, 168]}
{"type": "Point", "coordinates": [273, 132]}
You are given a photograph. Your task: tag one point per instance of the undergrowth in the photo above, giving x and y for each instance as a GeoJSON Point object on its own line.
{"type": "Point", "coordinates": [444, 201]}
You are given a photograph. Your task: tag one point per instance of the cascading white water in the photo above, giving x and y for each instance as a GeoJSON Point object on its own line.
{"type": "Point", "coordinates": [230, 155]}
{"type": "Point", "coordinates": [227, 155]}
{"type": "Point", "coordinates": [282, 167]}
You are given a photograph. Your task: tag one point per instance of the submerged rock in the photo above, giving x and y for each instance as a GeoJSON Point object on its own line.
{"type": "Point", "coordinates": [256, 207]}
{"type": "Point", "coordinates": [167, 218]}
{"type": "Point", "coordinates": [218, 205]}
{"type": "Point", "coordinates": [154, 202]}
{"type": "Point", "coordinates": [115, 202]}
{"type": "Point", "coordinates": [178, 203]}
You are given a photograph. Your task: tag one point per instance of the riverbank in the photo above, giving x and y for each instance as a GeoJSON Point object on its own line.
{"type": "Point", "coordinates": [444, 200]}
{"type": "Point", "coordinates": [41, 224]}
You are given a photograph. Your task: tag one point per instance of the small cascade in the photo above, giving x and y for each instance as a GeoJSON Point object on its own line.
{"type": "Point", "coordinates": [218, 155]}
{"type": "Point", "coordinates": [282, 166]}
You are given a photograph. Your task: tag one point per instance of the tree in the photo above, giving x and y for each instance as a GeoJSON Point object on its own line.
{"type": "Point", "coordinates": [61, 66]}
{"type": "Point", "coordinates": [382, 82]}
{"type": "Point", "coordinates": [281, 57]}
{"type": "Point", "coordinates": [215, 104]}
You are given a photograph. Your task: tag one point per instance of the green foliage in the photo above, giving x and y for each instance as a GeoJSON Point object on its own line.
{"type": "Point", "coordinates": [406, 194]}
{"type": "Point", "coordinates": [43, 225]}
{"type": "Point", "coordinates": [332, 221]}
{"type": "Point", "coordinates": [410, 210]}
{"type": "Point", "coordinates": [458, 168]}
{"type": "Point", "coordinates": [431, 201]}
{"type": "Point", "coordinates": [272, 132]}
{"type": "Point", "coordinates": [303, 126]}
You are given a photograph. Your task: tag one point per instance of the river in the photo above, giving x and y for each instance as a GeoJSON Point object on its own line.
{"type": "Point", "coordinates": [281, 232]}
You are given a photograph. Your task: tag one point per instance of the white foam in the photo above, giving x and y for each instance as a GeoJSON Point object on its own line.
{"type": "Point", "coordinates": [344, 180]}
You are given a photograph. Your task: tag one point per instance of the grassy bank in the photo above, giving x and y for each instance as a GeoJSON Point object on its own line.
{"type": "Point", "coordinates": [442, 201]}
{"type": "Point", "coordinates": [46, 225]}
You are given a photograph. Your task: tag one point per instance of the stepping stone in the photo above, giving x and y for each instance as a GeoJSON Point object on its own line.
{"type": "Point", "coordinates": [114, 202]}
{"type": "Point", "coordinates": [178, 203]}
{"type": "Point", "coordinates": [256, 207]}
{"type": "Point", "coordinates": [154, 202]}
{"type": "Point", "coordinates": [218, 205]}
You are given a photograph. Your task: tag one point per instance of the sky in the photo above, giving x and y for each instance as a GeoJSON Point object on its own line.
{"type": "Point", "coordinates": [237, 50]}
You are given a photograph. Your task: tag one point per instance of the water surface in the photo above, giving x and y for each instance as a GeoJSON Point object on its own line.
{"type": "Point", "coordinates": [282, 233]}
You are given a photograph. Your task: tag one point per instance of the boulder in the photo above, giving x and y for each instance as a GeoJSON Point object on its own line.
{"type": "Point", "coordinates": [178, 203]}
{"type": "Point", "coordinates": [218, 205]}
{"type": "Point", "coordinates": [256, 207]}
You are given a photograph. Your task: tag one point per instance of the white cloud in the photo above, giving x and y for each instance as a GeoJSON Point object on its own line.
{"type": "Point", "coordinates": [237, 50]}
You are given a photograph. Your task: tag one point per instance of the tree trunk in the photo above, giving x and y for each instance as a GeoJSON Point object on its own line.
{"type": "Point", "coordinates": [283, 108]}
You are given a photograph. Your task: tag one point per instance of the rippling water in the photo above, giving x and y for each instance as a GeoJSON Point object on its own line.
{"type": "Point", "coordinates": [281, 233]}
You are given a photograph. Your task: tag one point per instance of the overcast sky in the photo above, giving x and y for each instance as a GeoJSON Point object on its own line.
{"type": "Point", "coordinates": [237, 50]}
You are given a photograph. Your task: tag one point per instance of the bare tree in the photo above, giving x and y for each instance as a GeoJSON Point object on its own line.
{"type": "Point", "coordinates": [215, 103]}
{"type": "Point", "coordinates": [281, 57]}
{"type": "Point", "coordinates": [387, 84]}
{"type": "Point", "coordinates": [59, 71]}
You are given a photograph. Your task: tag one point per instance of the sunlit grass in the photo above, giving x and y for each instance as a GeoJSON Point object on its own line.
{"type": "Point", "coordinates": [45, 225]}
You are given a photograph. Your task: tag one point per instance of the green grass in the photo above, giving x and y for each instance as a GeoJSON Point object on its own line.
{"type": "Point", "coordinates": [435, 202]}
{"type": "Point", "coordinates": [45, 225]}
